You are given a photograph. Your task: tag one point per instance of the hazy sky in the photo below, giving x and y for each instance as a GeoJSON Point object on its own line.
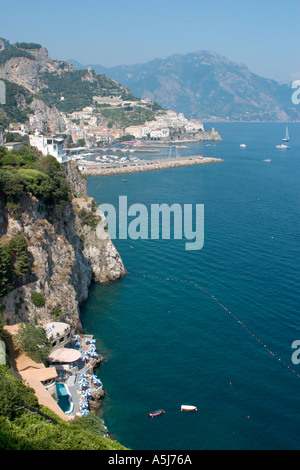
{"type": "Point", "coordinates": [263, 34]}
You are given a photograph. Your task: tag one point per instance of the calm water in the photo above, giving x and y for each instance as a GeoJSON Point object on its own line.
{"type": "Point", "coordinates": [169, 343]}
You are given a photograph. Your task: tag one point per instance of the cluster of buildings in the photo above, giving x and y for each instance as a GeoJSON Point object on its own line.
{"type": "Point", "coordinates": [164, 125]}
{"type": "Point", "coordinates": [86, 126]}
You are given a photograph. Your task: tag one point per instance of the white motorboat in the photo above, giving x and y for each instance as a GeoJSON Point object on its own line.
{"type": "Point", "coordinates": [188, 408]}
{"type": "Point", "coordinates": [282, 146]}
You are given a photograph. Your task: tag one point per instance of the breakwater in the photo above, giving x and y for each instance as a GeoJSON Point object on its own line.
{"type": "Point", "coordinates": [145, 165]}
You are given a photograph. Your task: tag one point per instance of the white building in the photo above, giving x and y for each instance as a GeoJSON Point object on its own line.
{"type": "Point", "coordinates": [49, 146]}
{"type": "Point", "coordinates": [159, 133]}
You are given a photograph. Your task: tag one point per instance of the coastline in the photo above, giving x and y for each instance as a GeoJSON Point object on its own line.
{"type": "Point", "coordinates": [146, 165]}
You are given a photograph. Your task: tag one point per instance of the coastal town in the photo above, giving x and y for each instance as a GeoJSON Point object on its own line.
{"type": "Point", "coordinates": [83, 127]}
{"type": "Point", "coordinates": [98, 150]}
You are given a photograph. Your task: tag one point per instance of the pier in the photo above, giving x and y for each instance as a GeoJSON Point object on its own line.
{"type": "Point", "coordinates": [144, 165]}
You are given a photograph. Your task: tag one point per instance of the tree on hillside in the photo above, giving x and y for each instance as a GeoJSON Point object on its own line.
{"type": "Point", "coordinates": [33, 340]}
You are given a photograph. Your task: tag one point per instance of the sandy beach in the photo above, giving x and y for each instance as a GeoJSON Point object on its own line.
{"type": "Point", "coordinates": [145, 165]}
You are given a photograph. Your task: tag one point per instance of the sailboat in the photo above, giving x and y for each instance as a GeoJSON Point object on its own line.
{"type": "Point", "coordinates": [287, 137]}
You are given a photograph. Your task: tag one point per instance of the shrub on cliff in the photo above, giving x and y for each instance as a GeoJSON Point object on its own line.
{"type": "Point", "coordinates": [14, 263]}
{"type": "Point", "coordinates": [11, 185]}
{"type": "Point", "coordinates": [56, 189]}
{"type": "Point", "coordinates": [19, 256]}
{"type": "Point", "coordinates": [42, 176]}
{"type": "Point", "coordinates": [89, 218]}
{"type": "Point", "coordinates": [12, 392]}
{"type": "Point", "coordinates": [6, 277]}
{"type": "Point", "coordinates": [38, 299]}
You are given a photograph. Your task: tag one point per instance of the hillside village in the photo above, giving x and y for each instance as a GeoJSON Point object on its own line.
{"type": "Point", "coordinates": [85, 108]}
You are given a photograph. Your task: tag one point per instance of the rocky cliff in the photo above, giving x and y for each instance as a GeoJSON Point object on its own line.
{"type": "Point", "coordinates": [66, 256]}
{"type": "Point", "coordinates": [28, 71]}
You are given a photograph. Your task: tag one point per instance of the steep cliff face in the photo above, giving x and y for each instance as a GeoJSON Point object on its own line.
{"type": "Point", "coordinates": [54, 118]}
{"type": "Point", "coordinates": [27, 72]}
{"type": "Point", "coordinates": [66, 256]}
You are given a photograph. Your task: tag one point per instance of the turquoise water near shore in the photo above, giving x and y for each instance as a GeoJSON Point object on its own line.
{"type": "Point", "coordinates": [167, 342]}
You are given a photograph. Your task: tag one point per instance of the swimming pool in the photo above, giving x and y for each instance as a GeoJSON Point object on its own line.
{"type": "Point", "coordinates": [64, 398]}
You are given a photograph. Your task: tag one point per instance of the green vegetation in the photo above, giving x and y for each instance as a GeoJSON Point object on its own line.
{"type": "Point", "coordinates": [26, 170]}
{"type": "Point", "coordinates": [42, 430]}
{"type": "Point", "coordinates": [89, 218]}
{"type": "Point", "coordinates": [81, 142]}
{"type": "Point", "coordinates": [12, 392]}
{"type": "Point", "coordinates": [76, 90]}
{"type": "Point", "coordinates": [33, 340]}
{"type": "Point", "coordinates": [38, 299]}
{"type": "Point", "coordinates": [91, 423]}
{"type": "Point", "coordinates": [19, 256]}
{"type": "Point", "coordinates": [13, 51]}
{"type": "Point", "coordinates": [14, 263]}
{"type": "Point", "coordinates": [56, 312]}
{"type": "Point", "coordinates": [17, 104]}
{"type": "Point", "coordinates": [127, 116]}
{"type": "Point", "coordinates": [2, 308]}
{"type": "Point", "coordinates": [27, 45]}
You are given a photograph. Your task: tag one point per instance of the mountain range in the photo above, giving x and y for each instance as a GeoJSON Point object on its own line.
{"type": "Point", "coordinates": [207, 86]}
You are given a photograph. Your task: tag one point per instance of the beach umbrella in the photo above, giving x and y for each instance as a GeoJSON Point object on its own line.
{"type": "Point", "coordinates": [83, 404]}
{"type": "Point", "coordinates": [84, 412]}
{"type": "Point", "coordinates": [96, 380]}
{"type": "Point", "coordinates": [84, 384]}
{"type": "Point", "coordinates": [76, 336]}
{"type": "Point", "coordinates": [83, 401]}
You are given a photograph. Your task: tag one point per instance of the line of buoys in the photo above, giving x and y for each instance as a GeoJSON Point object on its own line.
{"type": "Point", "coordinates": [251, 333]}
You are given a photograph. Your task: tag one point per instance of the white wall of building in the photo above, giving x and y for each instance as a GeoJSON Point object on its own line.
{"type": "Point", "coordinates": [49, 146]}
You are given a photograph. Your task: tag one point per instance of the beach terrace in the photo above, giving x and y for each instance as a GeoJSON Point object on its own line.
{"type": "Point", "coordinates": [69, 386]}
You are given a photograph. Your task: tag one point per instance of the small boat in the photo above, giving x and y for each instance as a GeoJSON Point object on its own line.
{"type": "Point", "coordinates": [155, 413]}
{"type": "Point", "coordinates": [282, 146]}
{"type": "Point", "coordinates": [268, 160]}
{"type": "Point", "coordinates": [123, 181]}
{"type": "Point", "coordinates": [188, 408]}
{"type": "Point", "coordinates": [243, 146]}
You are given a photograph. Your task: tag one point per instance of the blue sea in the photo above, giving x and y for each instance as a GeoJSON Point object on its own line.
{"type": "Point", "coordinates": [213, 327]}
